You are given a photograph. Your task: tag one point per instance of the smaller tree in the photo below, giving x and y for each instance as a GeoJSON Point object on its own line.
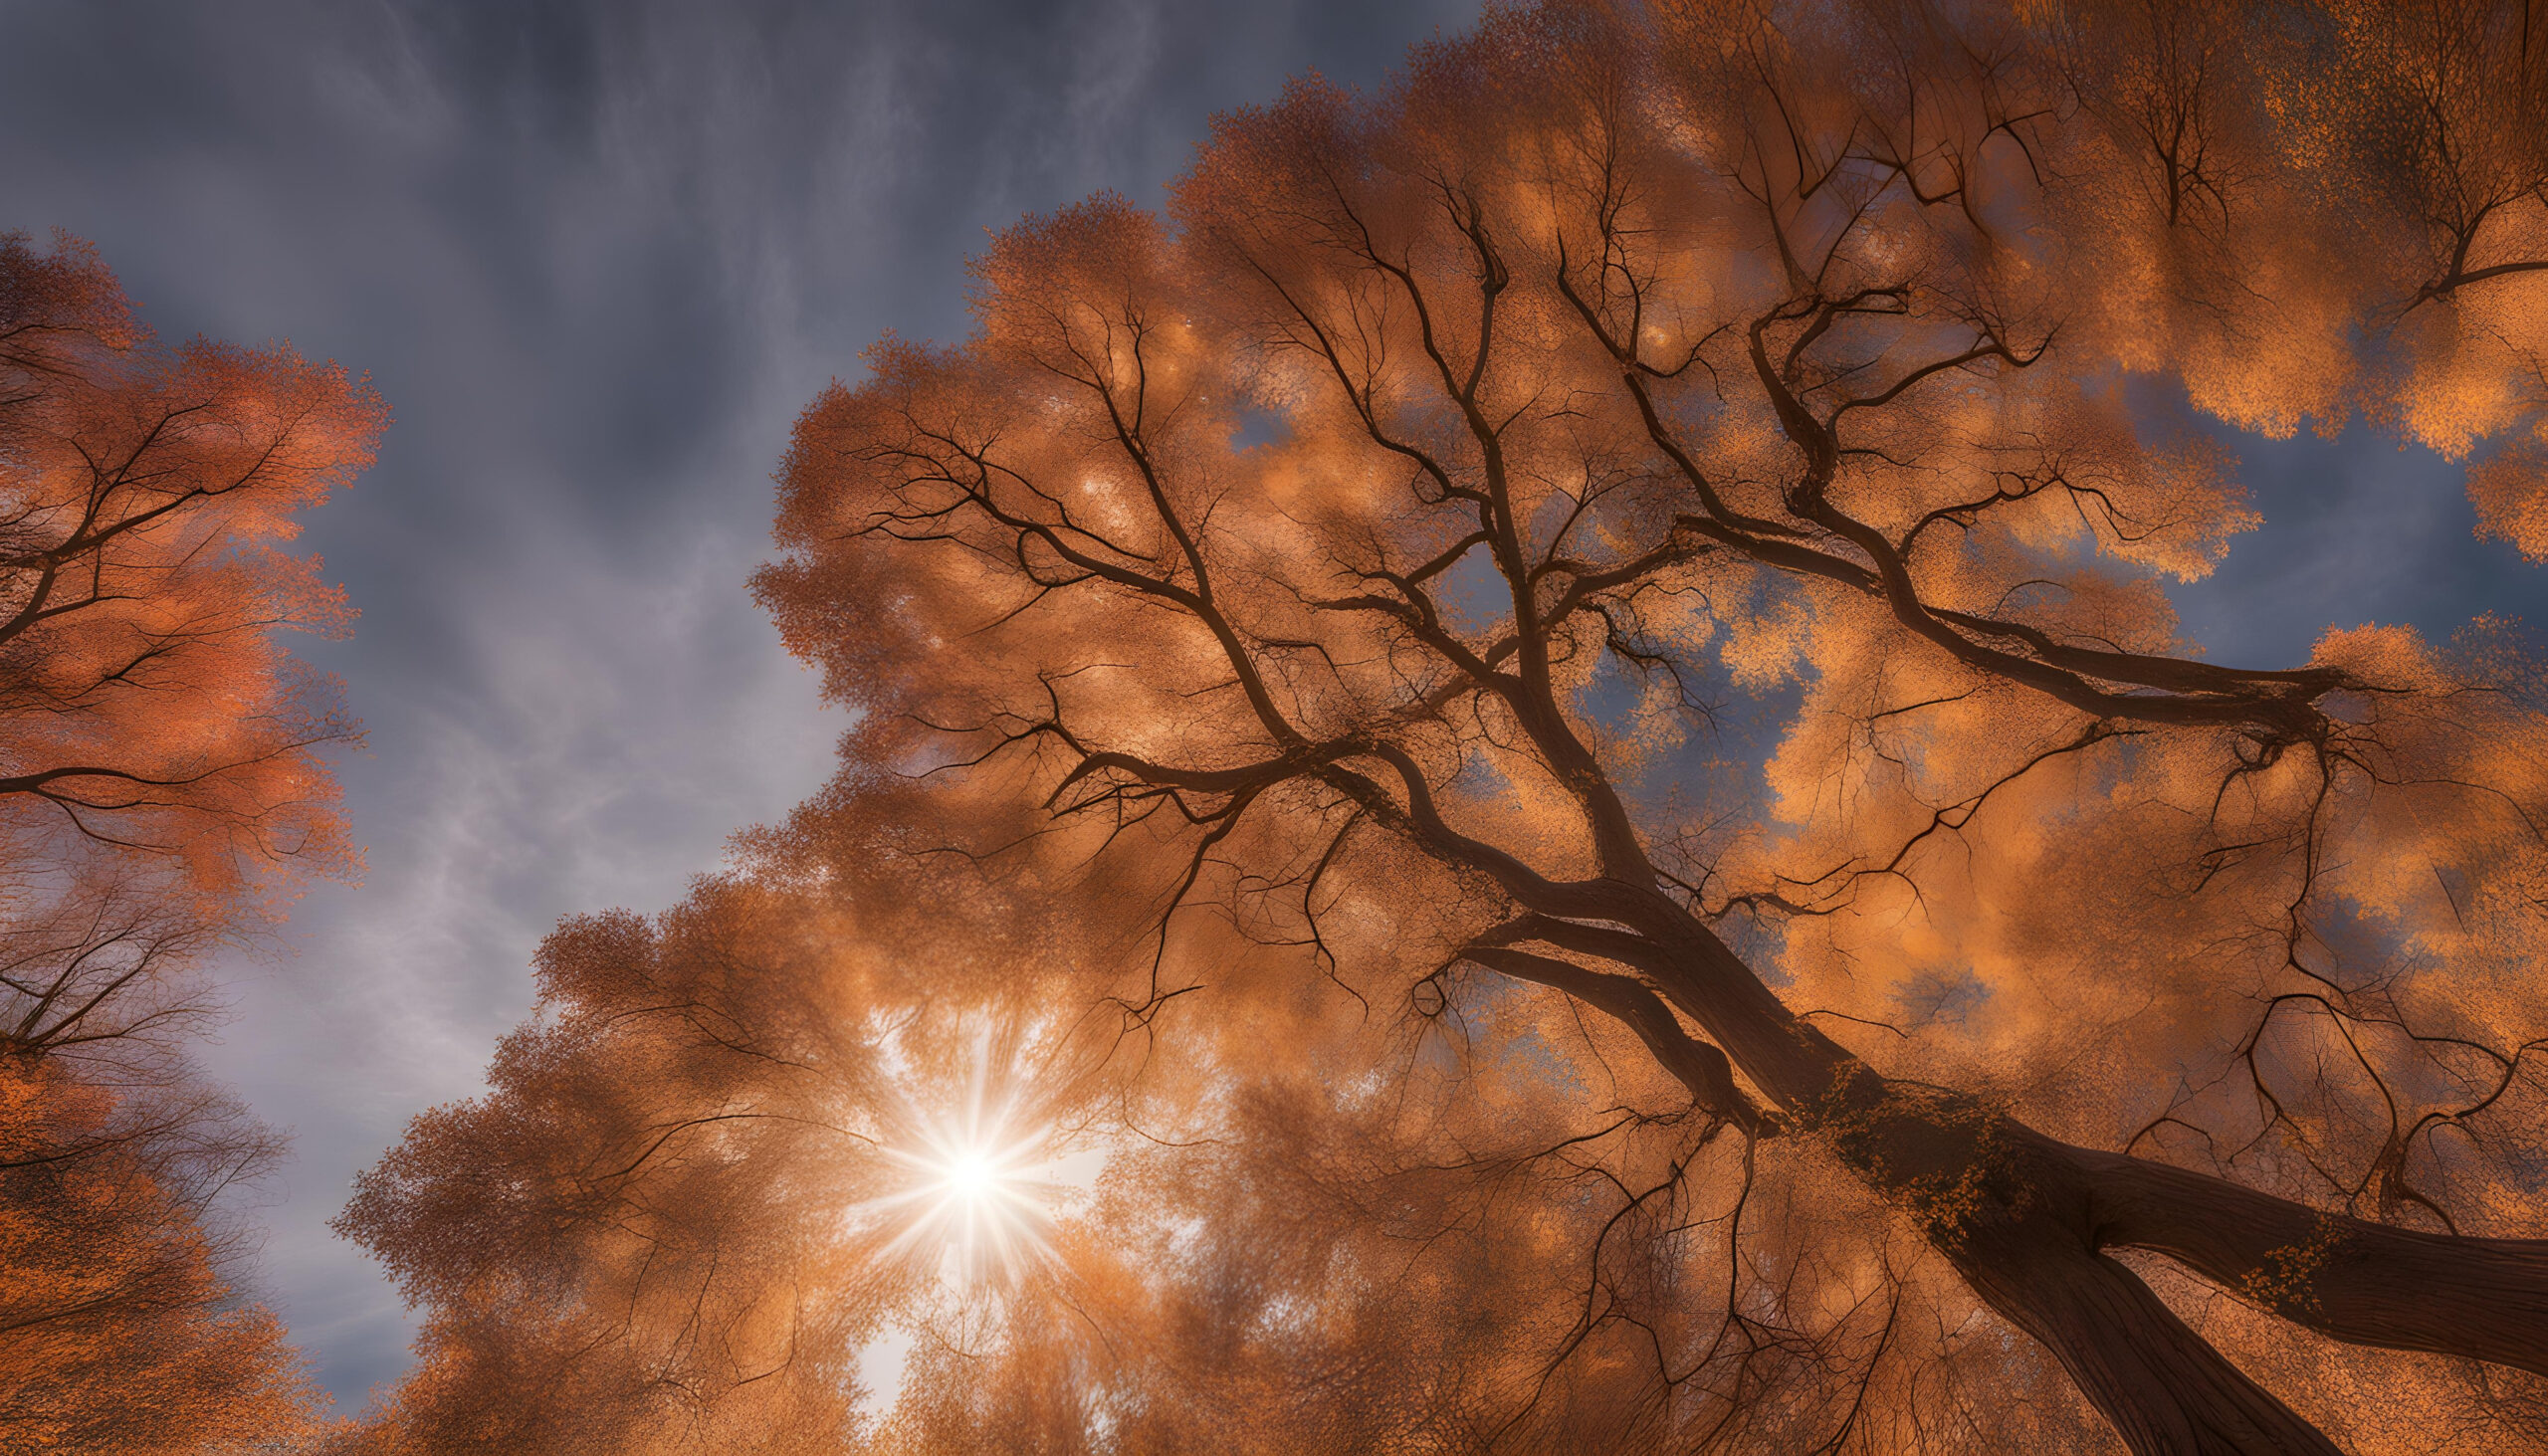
{"type": "Point", "coordinates": [161, 796]}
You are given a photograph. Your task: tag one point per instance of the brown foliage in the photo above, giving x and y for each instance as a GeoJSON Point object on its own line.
{"type": "Point", "coordinates": [160, 796]}
{"type": "Point", "coordinates": [117, 1333]}
{"type": "Point", "coordinates": [1548, 715]}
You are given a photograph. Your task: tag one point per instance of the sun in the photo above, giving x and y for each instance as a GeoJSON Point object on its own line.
{"type": "Point", "coordinates": [973, 1196]}
{"type": "Point", "coordinates": [974, 1201]}
{"type": "Point", "coordinates": [973, 1176]}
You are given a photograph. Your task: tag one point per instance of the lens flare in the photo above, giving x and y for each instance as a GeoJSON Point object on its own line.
{"type": "Point", "coordinates": [974, 1197]}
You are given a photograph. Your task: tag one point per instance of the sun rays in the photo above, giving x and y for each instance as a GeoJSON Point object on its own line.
{"type": "Point", "coordinates": [976, 1198]}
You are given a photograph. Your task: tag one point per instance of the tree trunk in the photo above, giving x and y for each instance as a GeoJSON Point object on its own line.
{"type": "Point", "coordinates": [2024, 1219]}
{"type": "Point", "coordinates": [2014, 1212]}
{"type": "Point", "coordinates": [2162, 1385]}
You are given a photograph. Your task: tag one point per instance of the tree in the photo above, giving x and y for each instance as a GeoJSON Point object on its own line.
{"type": "Point", "coordinates": [1550, 707]}
{"type": "Point", "coordinates": [161, 796]}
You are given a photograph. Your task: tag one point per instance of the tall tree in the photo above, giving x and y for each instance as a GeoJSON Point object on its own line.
{"type": "Point", "coordinates": [1552, 709]}
{"type": "Point", "coordinates": [161, 796]}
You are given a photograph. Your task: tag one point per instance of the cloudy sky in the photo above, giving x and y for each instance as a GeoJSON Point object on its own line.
{"type": "Point", "coordinates": [596, 256]}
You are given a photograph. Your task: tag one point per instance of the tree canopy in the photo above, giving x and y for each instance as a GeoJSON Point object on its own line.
{"type": "Point", "coordinates": [1547, 715]}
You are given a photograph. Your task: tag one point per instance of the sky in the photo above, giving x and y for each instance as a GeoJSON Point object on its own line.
{"type": "Point", "coordinates": [597, 256]}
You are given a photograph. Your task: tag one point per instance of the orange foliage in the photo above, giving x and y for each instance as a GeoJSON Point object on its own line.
{"type": "Point", "coordinates": [160, 795]}
{"type": "Point", "coordinates": [117, 1332]}
{"type": "Point", "coordinates": [144, 703]}
{"type": "Point", "coordinates": [1646, 867]}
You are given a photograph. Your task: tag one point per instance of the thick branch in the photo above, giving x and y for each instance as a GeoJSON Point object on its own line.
{"type": "Point", "coordinates": [2349, 1279]}
{"type": "Point", "coordinates": [1700, 1067]}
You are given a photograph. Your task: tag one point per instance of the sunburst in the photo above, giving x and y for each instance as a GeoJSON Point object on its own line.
{"type": "Point", "coordinates": [975, 1195]}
